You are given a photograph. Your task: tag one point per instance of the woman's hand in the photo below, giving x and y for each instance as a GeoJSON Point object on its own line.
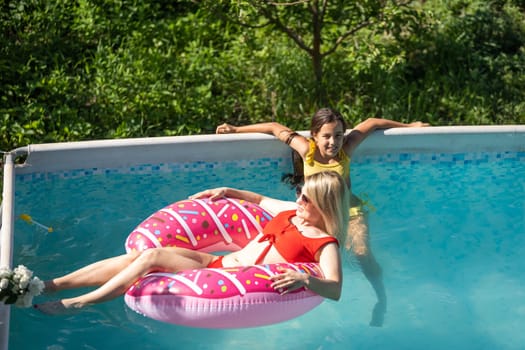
{"type": "Point", "coordinates": [212, 194]}
{"type": "Point", "coordinates": [226, 129]}
{"type": "Point", "coordinates": [289, 280]}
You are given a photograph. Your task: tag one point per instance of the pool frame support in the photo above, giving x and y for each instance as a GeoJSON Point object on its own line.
{"type": "Point", "coordinates": [7, 236]}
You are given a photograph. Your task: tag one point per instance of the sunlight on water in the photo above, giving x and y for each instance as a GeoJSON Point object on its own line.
{"type": "Point", "coordinates": [449, 236]}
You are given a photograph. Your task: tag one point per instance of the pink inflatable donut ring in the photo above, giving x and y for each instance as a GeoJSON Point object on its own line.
{"type": "Point", "coordinates": [235, 297]}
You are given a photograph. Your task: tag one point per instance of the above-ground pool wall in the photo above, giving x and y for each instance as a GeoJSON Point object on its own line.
{"type": "Point", "coordinates": [209, 148]}
{"type": "Point", "coordinates": [449, 139]}
{"type": "Point", "coordinates": [130, 152]}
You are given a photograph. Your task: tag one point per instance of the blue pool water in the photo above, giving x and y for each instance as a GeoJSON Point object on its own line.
{"type": "Point", "coordinates": [448, 231]}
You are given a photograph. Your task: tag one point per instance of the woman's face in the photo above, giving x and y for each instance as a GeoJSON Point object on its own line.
{"type": "Point", "coordinates": [307, 211]}
{"type": "Point", "coordinates": [329, 139]}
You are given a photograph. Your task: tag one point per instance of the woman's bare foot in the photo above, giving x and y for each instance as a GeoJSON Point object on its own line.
{"type": "Point", "coordinates": [49, 287]}
{"type": "Point", "coordinates": [56, 307]}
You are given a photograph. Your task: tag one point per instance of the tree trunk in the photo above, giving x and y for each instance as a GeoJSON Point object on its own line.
{"type": "Point", "coordinates": [317, 57]}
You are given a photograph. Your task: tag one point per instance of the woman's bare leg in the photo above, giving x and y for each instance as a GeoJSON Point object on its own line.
{"type": "Point", "coordinates": [358, 241]}
{"type": "Point", "coordinates": [157, 259]}
{"type": "Point", "coordinates": [95, 274]}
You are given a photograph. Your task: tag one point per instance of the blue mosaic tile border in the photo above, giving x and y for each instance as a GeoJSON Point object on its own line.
{"type": "Point", "coordinates": [145, 169]}
{"type": "Point", "coordinates": [452, 158]}
{"type": "Point", "coordinates": [402, 158]}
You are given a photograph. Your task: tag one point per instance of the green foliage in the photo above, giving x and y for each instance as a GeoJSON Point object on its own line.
{"type": "Point", "coordinates": [94, 69]}
{"type": "Point", "coordinates": [470, 67]}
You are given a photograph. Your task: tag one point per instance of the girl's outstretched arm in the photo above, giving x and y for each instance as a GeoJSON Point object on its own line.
{"type": "Point", "coordinates": [283, 133]}
{"type": "Point", "coordinates": [363, 129]}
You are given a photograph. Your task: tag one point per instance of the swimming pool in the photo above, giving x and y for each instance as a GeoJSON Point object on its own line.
{"type": "Point", "coordinates": [447, 227]}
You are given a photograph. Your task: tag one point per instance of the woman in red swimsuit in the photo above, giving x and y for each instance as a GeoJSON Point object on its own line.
{"type": "Point", "coordinates": [308, 230]}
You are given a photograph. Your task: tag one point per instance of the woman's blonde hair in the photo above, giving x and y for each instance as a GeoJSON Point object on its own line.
{"type": "Point", "coordinates": [329, 193]}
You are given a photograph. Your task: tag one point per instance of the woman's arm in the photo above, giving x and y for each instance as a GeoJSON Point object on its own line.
{"type": "Point", "coordinates": [363, 129]}
{"type": "Point", "coordinates": [283, 133]}
{"type": "Point", "coordinates": [328, 287]}
{"type": "Point", "coordinates": [272, 205]}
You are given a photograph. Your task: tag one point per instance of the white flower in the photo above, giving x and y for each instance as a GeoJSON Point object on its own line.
{"type": "Point", "coordinates": [21, 272]}
{"type": "Point", "coordinates": [36, 286]}
{"type": "Point", "coordinates": [4, 272]}
{"type": "Point", "coordinates": [19, 286]}
{"type": "Point", "coordinates": [24, 282]}
{"type": "Point", "coordinates": [24, 300]}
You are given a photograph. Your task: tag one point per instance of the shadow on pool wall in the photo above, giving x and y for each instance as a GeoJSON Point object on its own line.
{"type": "Point", "coordinates": [48, 161]}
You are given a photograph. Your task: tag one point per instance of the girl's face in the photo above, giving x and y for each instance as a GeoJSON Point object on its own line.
{"type": "Point", "coordinates": [329, 139]}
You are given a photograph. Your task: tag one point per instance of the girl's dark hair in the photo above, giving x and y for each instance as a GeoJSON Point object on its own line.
{"type": "Point", "coordinates": [321, 117]}
{"type": "Point", "coordinates": [325, 116]}
{"type": "Point", "coordinates": [296, 178]}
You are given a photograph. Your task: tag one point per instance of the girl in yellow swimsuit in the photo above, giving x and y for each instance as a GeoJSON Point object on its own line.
{"type": "Point", "coordinates": [330, 149]}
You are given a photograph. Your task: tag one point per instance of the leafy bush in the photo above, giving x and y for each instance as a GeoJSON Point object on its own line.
{"type": "Point", "coordinates": [94, 69]}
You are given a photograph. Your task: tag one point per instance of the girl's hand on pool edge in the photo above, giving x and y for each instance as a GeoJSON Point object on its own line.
{"type": "Point", "coordinates": [418, 124]}
{"type": "Point", "coordinates": [289, 280]}
{"type": "Point", "coordinates": [226, 129]}
{"type": "Point", "coordinates": [213, 194]}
